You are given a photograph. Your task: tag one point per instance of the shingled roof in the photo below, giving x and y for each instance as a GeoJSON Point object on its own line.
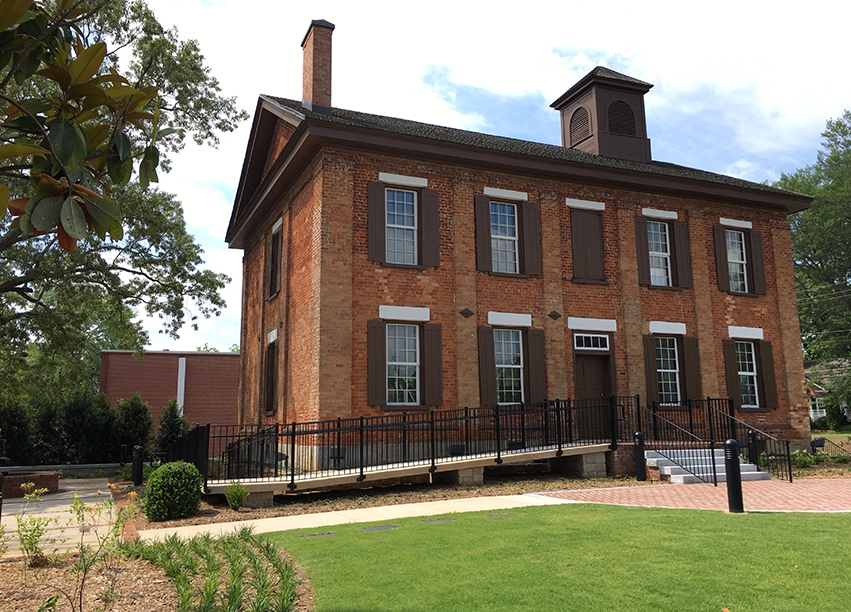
{"type": "Point", "coordinates": [439, 133]}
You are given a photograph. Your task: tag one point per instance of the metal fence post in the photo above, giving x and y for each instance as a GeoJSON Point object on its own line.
{"type": "Point", "coordinates": [361, 477]}
{"type": "Point", "coordinates": [559, 409]}
{"type": "Point", "coordinates": [138, 457]}
{"type": "Point", "coordinates": [734, 477]}
{"type": "Point", "coordinates": [467, 449]}
{"type": "Point", "coordinates": [433, 467]}
{"type": "Point", "coordinates": [498, 441]}
{"type": "Point", "coordinates": [613, 421]}
{"type": "Point", "coordinates": [640, 459]}
{"type": "Point", "coordinates": [789, 460]}
{"type": "Point", "coordinates": [291, 486]}
{"type": "Point", "coordinates": [753, 451]}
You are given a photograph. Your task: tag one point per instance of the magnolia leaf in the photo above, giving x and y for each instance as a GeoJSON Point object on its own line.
{"type": "Point", "coordinates": [66, 4]}
{"type": "Point", "coordinates": [68, 243]}
{"type": "Point", "coordinates": [122, 91]}
{"type": "Point", "coordinates": [86, 116]}
{"type": "Point", "coordinates": [17, 206]}
{"type": "Point", "coordinates": [84, 89]}
{"type": "Point", "coordinates": [120, 172]}
{"type": "Point", "coordinates": [4, 199]}
{"type": "Point", "coordinates": [87, 64]}
{"type": "Point", "coordinates": [112, 77]}
{"type": "Point", "coordinates": [45, 216]}
{"type": "Point", "coordinates": [103, 212]}
{"type": "Point", "coordinates": [16, 223]}
{"type": "Point", "coordinates": [116, 231]}
{"type": "Point", "coordinates": [93, 101]}
{"type": "Point", "coordinates": [100, 231]}
{"type": "Point", "coordinates": [10, 151]}
{"type": "Point", "coordinates": [11, 12]}
{"type": "Point", "coordinates": [69, 143]}
{"type": "Point", "coordinates": [95, 135]}
{"type": "Point", "coordinates": [73, 219]}
{"type": "Point", "coordinates": [56, 73]}
{"type": "Point", "coordinates": [37, 105]}
{"type": "Point", "coordinates": [25, 225]}
{"type": "Point", "coordinates": [29, 205]}
{"type": "Point", "coordinates": [86, 191]}
{"type": "Point", "coordinates": [122, 146]}
{"type": "Point", "coordinates": [152, 156]}
{"type": "Point", "coordinates": [143, 175]}
{"type": "Point", "coordinates": [167, 132]}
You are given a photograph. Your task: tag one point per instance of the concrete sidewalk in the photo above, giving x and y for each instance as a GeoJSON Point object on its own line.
{"type": "Point", "coordinates": [363, 515]}
{"type": "Point", "coordinates": [56, 508]}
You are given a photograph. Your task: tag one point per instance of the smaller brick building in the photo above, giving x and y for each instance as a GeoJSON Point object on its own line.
{"type": "Point", "coordinates": [207, 384]}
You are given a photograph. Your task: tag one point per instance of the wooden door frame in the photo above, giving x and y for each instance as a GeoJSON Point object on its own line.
{"type": "Point", "coordinates": [608, 353]}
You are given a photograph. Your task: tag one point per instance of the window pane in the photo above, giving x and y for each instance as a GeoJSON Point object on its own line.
{"type": "Point", "coordinates": [504, 238]}
{"type": "Point", "coordinates": [736, 261]}
{"type": "Point", "coordinates": [508, 353]}
{"type": "Point", "coordinates": [746, 365]}
{"type": "Point", "coordinates": [403, 364]}
{"type": "Point", "coordinates": [401, 226]}
{"type": "Point", "coordinates": [667, 370]}
{"type": "Point", "coordinates": [660, 253]}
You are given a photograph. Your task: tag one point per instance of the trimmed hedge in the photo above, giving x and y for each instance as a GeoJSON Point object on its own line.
{"type": "Point", "coordinates": [173, 492]}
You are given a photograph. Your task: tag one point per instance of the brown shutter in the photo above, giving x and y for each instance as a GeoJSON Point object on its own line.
{"type": "Point", "coordinates": [487, 367]}
{"type": "Point", "coordinates": [531, 239]}
{"type": "Point", "coordinates": [376, 363]}
{"type": "Point", "coordinates": [757, 262]}
{"type": "Point", "coordinates": [271, 377]}
{"type": "Point", "coordinates": [376, 222]}
{"type": "Point", "coordinates": [270, 247]}
{"type": "Point", "coordinates": [732, 371]}
{"type": "Point", "coordinates": [432, 367]}
{"type": "Point", "coordinates": [586, 232]}
{"type": "Point", "coordinates": [691, 369]}
{"type": "Point", "coordinates": [430, 228]}
{"type": "Point", "coordinates": [642, 248]}
{"type": "Point", "coordinates": [650, 374]}
{"type": "Point", "coordinates": [721, 258]}
{"type": "Point", "coordinates": [483, 234]}
{"type": "Point", "coordinates": [681, 254]}
{"type": "Point", "coordinates": [766, 376]}
{"type": "Point", "coordinates": [276, 260]}
{"type": "Point", "coordinates": [536, 366]}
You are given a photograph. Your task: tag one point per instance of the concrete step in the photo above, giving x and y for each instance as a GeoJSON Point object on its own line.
{"type": "Point", "coordinates": [676, 469]}
{"type": "Point", "coordinates": [692, 479]}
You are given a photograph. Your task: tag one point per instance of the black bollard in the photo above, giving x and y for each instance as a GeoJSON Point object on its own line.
{"type": "Point", "coordinates": [640, 459]}
{"type": "Point", "coordinates": [137, 465]}
{"type": "Point", "coordinates": [734, 477]}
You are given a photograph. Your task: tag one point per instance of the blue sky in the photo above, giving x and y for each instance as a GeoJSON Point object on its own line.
{"type": "Point", "coordinates": [740, 88]}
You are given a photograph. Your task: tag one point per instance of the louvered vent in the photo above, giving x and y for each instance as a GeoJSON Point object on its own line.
{"type": "Point", "coordinates": [580, 125]}
{"type": "Point", "coordinates": [621, 119]}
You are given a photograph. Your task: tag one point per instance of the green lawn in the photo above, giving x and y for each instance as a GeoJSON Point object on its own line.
{"type": "Point", "coordinates": [583, 557]}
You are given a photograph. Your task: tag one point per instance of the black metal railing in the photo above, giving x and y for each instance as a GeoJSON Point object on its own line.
{"type": "Point", "coordinates": [713, 420]}
{"type": "Point", "coordinates": [677, 442]}
{"type": "Point", "coordinates": [832, 449]}
{"type": "Point", "coordinates": [299, 451]}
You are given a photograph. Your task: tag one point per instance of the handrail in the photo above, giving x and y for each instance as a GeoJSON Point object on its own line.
{"type": "Point", "coordinates": [680, 446]}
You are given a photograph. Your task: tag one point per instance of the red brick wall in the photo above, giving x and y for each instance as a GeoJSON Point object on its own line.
{"type": "Point", "coordinates": [332, 290]}
{"type": "Point", "coordinates": [211, 384]}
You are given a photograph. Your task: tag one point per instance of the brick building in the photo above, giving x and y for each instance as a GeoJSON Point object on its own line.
{"type": "Point", "coordinates": [394, 265]}
{"type": "Point", "coordinates": [205, 384]}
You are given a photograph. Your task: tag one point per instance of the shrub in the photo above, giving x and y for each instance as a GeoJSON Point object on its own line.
{"type": "Point", "coordinates": [819, 424]}
{"type": "Point", "coordinates": [173, 491]}
{"type": "Point", "coordinates": [134, 423]}
{"type": "Point", "coordinates": [236, 494]}
{"type": "Point", "coordinates": [172, 425]}
{"type": "Point", "coordinates": [802, 460]}
{"type": "Point", "coordinates": [842, 459]}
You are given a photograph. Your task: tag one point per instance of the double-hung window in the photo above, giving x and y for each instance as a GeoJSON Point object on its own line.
{"type": "Point", "coordinates": [659, 251]}
{"type": "Point", "coordinates": [401, 226]}
{"type": "Point", "coordinates": [667, 370]}
{"type": "Point", "coordinates": [403, 222]}
{"type": "Point", "coordinates": [739, 259]}
{"type": "Point", "coordinates": [504, 238]}
{"type": "Point", "coordinates": [662, 249]}
{"type": "Point", "coordinates": [507, 235]}
{"type": "Point", "coordinates": [746, 368]}
{"type": "Point", "coordinates": [403, 364]}
{"type": "Point", "coordinates": [508, 355]}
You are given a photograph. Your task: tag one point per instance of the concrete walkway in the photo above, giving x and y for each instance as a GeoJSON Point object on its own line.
{"type": "Point", "coordinates": [56, 508]}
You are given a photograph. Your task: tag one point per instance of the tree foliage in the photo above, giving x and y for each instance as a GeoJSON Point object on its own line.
{"type": "Point", "coordinates": [821, 244]}
{"type": "Point", "coordinates": [172, 425]}
{"type": "Point", "coordinates": [134, 423]}
{"type": "Point", "coordinates": [83, 241]}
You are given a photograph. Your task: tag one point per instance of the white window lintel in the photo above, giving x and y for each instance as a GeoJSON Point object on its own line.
{"type": "Point", "coordinates": [495, 192]}
{"type": "Point", "coordinates": [272, 336]}
{"type": "Point", "coordinates": [745, 333]}
{"type": "Point", "coordinates": [665, 327]}
{"type": "Point", "coordinates": [583, 324]}
{"type": "Point", "coordinates": [670, 215]}
{"type": "Point", "coordinates": [509, 319]}
{"type": "Point", "coordinates": [403, 313]}
{"type": "Point", "coordinates": [399, 179]}
{"type": "Point", "coordinates": [278, 225]}
{"type": "Point", "coordinates": [736, 223]}
{"type": "Point", "coordinates": [585, 204]}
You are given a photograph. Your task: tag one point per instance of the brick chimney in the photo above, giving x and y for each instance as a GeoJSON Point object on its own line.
{"type": "Point", "coordinates": [603, 114]}
{"type": "Point", "coordinates": [316, 77]}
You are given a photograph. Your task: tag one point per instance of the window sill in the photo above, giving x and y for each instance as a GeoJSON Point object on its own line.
{"type": "Point", "coordinates": [269, 298]}
{"type": "Point", "coordinates": [664, 288]}
{"type": "Point", "coordinates": [749, 410]}
{"type": "Point", "coordinates": [507, 275]}
{"type": "Point", "coordinates": [740, 294]}
{"type": "Point", "coordinates": [584, 281]}
{"type": "Point", "coordinates": [403, 266]}
{"type": "Point", "coordinates": [405, 408]}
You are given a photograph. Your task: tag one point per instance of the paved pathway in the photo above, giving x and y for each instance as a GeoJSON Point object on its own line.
{"type": "Point", "coordinates": [806, 495]}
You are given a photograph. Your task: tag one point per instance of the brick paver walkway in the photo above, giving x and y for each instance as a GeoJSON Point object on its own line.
{"type": "Point", "coordinates": [807, 495]}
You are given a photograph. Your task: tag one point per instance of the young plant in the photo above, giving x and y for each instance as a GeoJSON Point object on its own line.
{"type": "Point", "coordinates": [38, 550]}
{"type": "Point", "coordinates": [236, 494]}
